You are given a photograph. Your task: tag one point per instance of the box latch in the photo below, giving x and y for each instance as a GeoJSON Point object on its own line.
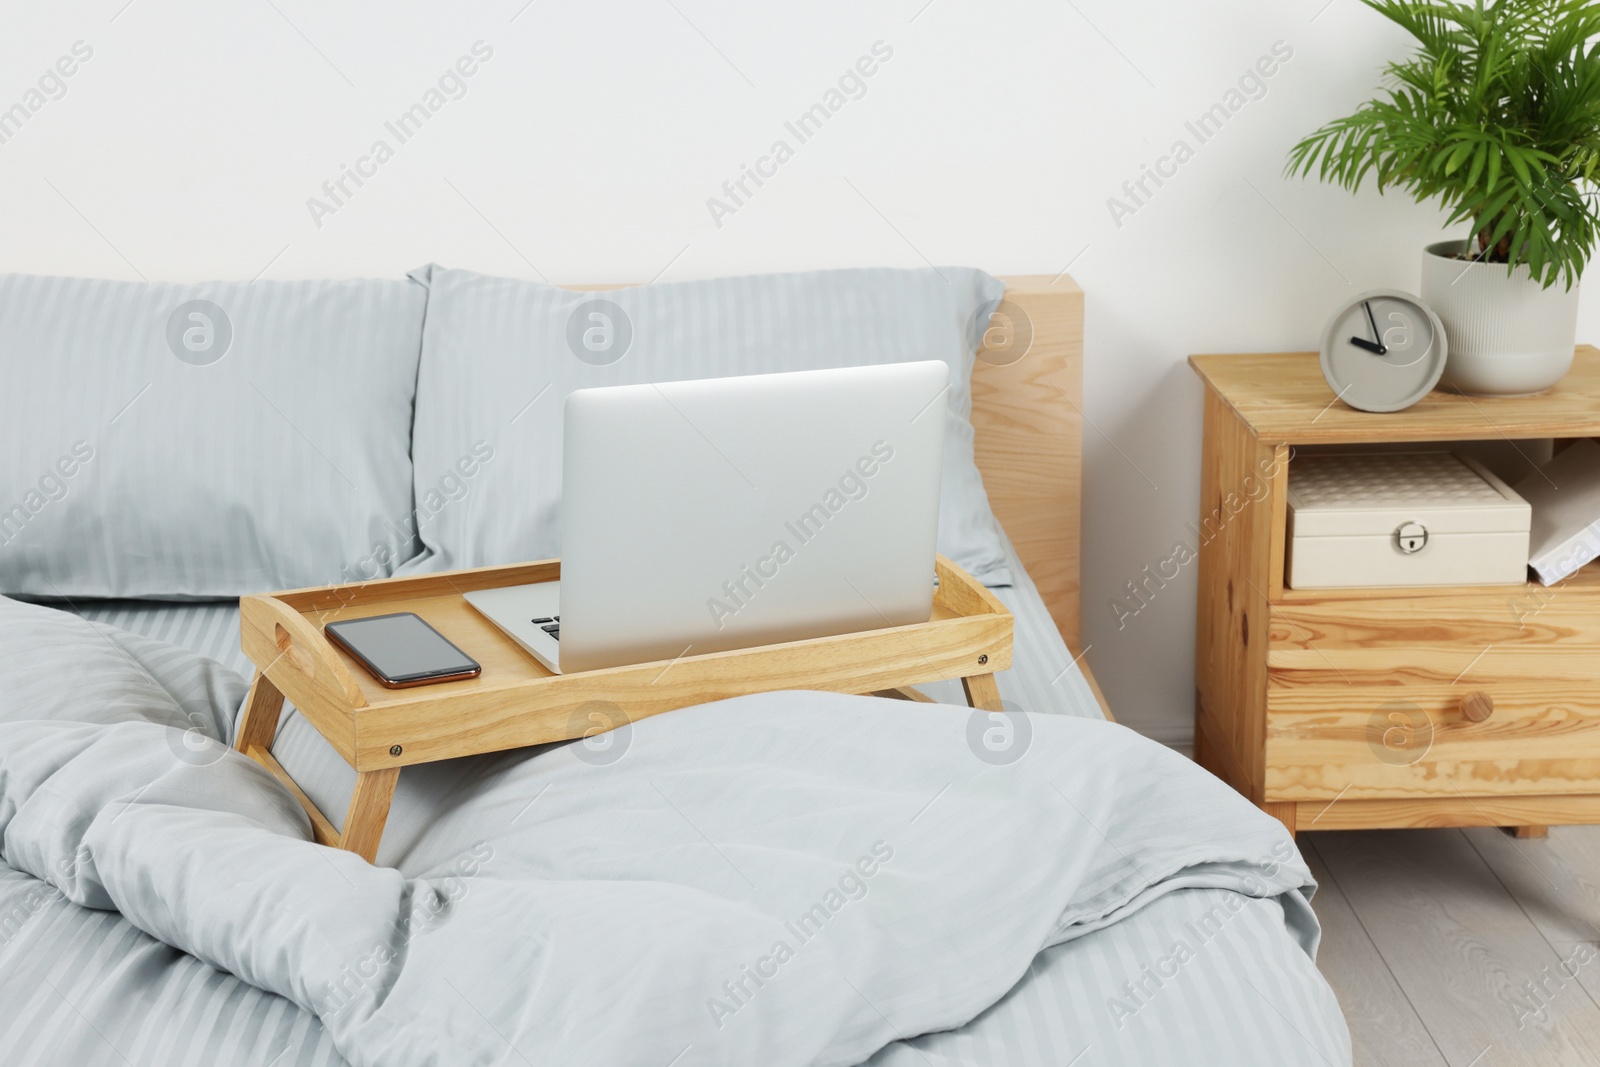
{"type": "Point", "coordinates": [1411, 537]}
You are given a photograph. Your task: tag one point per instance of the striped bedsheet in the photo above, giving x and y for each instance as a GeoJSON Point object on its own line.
{"type": "Point", "coordinates": [84, 988]}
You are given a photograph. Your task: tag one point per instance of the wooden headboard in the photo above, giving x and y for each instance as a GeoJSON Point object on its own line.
{"type": "Point", "coordinates": [1027, 400]}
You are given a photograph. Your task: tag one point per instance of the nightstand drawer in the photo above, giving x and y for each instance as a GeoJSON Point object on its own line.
{"type": "Point", "coordinates": [1514, 629]}
{"type": "Point", "coordinates": [1383, 695]}
{"type": "Point", "coordinates": [1415, 736]}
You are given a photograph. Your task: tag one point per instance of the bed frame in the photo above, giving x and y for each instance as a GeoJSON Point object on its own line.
{"type": "Point", "coordinates": [1027, 412]}
{"type": "Point", "coordinates": [1027, 395]}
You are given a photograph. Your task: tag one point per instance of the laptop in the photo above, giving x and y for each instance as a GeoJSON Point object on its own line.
{"type": "Point", "coordinates": [704, 516]}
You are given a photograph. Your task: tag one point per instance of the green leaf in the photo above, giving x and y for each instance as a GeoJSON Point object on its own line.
{"type": "Point", "coordinates": [1495, 117]}
{"type": "Point", "coordinates": [1479, 155]}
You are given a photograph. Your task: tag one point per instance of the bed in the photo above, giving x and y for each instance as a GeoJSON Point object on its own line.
{"type": "Point", "coordinates": [1215, 968]}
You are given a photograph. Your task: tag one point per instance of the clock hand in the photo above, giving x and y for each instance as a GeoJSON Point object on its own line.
{"type": "Point", "coordinates": [1377, 338]}
{"type": "Point", "coordinates": [1362, 342]}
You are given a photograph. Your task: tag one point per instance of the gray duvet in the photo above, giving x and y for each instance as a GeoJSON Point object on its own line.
{"type": "Point", "coordinates": [791, 878]}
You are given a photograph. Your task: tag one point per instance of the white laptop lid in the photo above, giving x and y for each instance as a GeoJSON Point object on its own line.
{"type": "Point", "coordinates": [709, 515]}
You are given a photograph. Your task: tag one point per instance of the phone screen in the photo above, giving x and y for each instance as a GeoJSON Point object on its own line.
{"type": "Point", "coordinates": [401, 647]}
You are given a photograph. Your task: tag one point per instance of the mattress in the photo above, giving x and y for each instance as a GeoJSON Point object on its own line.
{"type": "Point", "coordinates": [1202, 975]}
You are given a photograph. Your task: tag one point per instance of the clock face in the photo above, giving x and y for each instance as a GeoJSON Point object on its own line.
{"type": "Point", "coordinates": [1383, 351]}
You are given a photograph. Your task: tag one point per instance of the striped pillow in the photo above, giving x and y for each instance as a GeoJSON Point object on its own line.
{"type": "Point", "coordinates": [499, 357]}
{"type": "Point", "coordinates": [209, 440]}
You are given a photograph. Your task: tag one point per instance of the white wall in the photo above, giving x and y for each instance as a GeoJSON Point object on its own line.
{"type": "Point", "coordinates": [587, 147]}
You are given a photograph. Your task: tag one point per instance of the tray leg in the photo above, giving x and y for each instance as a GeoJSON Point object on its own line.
{"type": "Point", "coordinates": [258, 722]}
{"type": "Point", "coordinates": [322, 831]}
{"type": "Point", "coordinates": [258, 725]}
{"type": "Point", "coordinates": [369, 810]}
{"type": "Point", "coordinates": [982, 692]}
{"type": "Point", "coordinates": [904, 692]}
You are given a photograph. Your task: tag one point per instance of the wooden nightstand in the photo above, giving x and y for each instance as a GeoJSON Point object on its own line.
{"type": "Point", "coordinates": [1360, 708]}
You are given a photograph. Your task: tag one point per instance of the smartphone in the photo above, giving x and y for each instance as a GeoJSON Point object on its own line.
{"type": "Point", "coordinates": [401, 650]}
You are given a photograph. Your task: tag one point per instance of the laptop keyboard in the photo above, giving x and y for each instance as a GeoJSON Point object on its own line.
{"type": "Point", "coordinates": [551, 626]}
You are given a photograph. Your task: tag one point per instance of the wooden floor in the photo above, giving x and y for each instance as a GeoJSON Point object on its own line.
{"type": "Point", "coordinates": [1462, 948]}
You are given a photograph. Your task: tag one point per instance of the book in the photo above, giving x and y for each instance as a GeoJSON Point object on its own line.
{"type": "Point", "coordinates": [1565, 494]}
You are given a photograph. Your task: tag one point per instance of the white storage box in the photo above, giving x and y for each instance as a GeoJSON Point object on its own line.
{"type": "Point", "coordinates": [1402, 518]}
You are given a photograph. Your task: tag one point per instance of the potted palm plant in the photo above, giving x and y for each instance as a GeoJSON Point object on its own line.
{"type": "Point", "coordinates": [1496, 117]}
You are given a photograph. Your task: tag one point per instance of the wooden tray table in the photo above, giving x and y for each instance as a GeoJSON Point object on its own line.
{"type": "Point", "coordinates": [516, 702]}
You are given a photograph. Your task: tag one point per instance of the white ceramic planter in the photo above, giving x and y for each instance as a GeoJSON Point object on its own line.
{"type": "Point", "coordinates": [1508, 336]}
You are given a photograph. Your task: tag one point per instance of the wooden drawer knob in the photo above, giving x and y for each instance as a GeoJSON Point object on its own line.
{"type": "Point", "coordinates": [1476, 707]}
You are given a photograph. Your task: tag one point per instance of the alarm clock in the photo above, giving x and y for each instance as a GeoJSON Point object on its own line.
{"type": "Point", "coordinates": [1383, 351]}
